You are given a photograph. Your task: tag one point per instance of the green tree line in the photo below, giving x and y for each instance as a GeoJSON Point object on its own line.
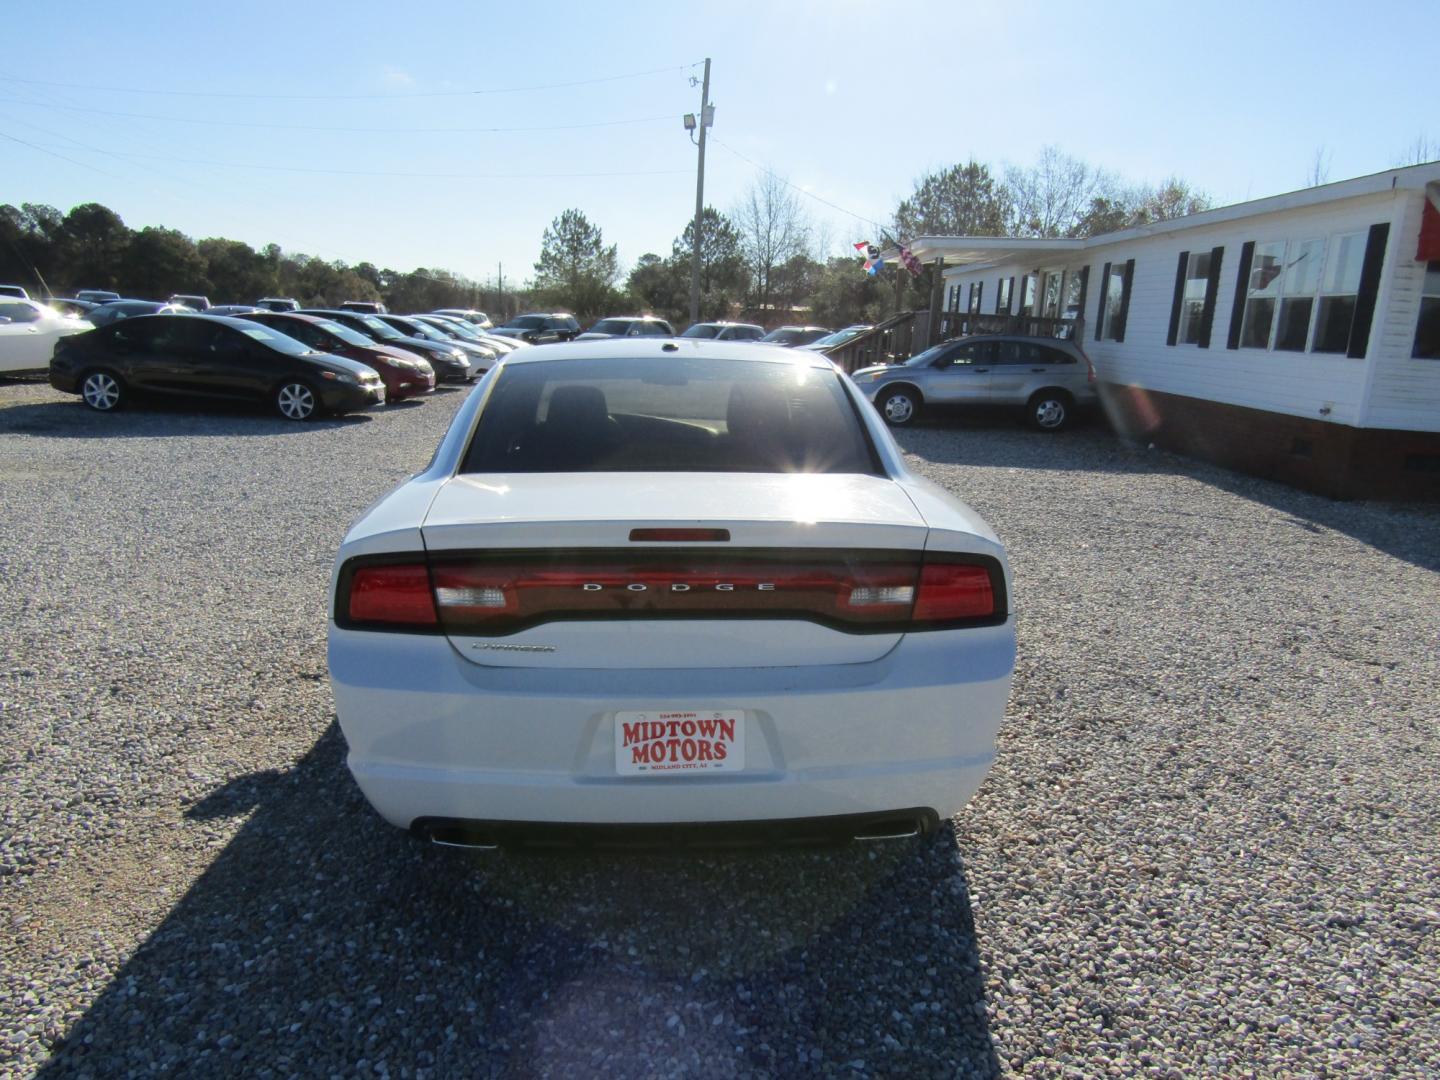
{"type": "Point", "coordinates": [765, 260]}
{"type": "Point", "coordinates": [90, 247]}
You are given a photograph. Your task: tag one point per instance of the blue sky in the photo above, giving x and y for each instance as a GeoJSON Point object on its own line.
{"type": "Point", "coordinates": [313, 126]}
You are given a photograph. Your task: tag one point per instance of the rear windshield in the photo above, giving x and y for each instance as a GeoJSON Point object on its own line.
{"type": "Point", "coordinates": [669, 414]}
{"type": "Point", "coordinates": [612, 326]}
{"type": "Point", "coordinates": [702, 330]}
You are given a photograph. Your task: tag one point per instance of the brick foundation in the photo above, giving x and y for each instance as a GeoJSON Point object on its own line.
{"type": "Point", "coordinates": [1337, 460]}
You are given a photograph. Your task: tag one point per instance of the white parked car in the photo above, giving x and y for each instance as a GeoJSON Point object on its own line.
{"type": "Point", "coordinates": [28, 332]}
{"type": "Point", "coordinates": [660, 583]}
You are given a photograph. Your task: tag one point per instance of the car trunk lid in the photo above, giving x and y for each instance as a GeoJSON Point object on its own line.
{"type": "Point", "coordinates": [768, 570]}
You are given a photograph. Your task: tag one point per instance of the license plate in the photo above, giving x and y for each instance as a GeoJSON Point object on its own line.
{"type": "Point", "coordinates": [679, 742]}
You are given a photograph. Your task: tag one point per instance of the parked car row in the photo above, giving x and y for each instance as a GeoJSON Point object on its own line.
{"type": "Point", "coordinates": [301, 362]}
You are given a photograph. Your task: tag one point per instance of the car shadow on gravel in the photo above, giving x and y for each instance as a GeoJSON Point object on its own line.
{"type": "Point", "coordinates": [321, 941]}
{"type": "Point", "coordinates": [153, 420]}
{"type": "Point", "coordinates": [1410, 532]}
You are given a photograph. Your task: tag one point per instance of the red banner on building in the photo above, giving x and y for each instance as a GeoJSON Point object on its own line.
{"type": "Point", "coordinates": [1429, 248]}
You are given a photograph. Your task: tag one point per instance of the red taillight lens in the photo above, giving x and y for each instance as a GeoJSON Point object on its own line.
{"type": "Point", "coordinates": [393, 595]}
{"type": "Point", "coordinates": [951, 591]}
{"type": "Point", "coordinates": [496, 593]}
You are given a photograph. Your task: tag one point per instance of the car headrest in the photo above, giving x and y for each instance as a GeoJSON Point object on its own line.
{"type": "Point", "coordinates": [757, 410]}
{"type": "Point", "coordinates": [578, 406]}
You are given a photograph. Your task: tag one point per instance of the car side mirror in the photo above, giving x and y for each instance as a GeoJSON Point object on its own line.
{"type": "Point", "coordinates": [5, 320]}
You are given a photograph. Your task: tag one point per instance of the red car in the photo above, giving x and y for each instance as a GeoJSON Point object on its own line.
{"type": "Point", "coordinates": [404, 373]}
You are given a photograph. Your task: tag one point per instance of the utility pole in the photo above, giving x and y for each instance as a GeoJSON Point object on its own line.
{"type": "Point", "coordinates": [500, 292]}
{"type": "Point", "coordinates": [699, 198]}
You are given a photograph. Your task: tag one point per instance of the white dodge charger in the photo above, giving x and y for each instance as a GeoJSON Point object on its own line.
{"type": "Point", "coordinates": [669, 589]}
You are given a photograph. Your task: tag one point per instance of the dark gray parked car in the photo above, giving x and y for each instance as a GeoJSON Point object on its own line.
{"type": "Point", "coordinates": [540, 329]}
{"type": "Point", "coordinates": [1049, 378]}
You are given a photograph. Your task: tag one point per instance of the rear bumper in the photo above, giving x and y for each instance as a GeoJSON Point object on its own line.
{"type": "Point", "coordinates": [433, 735]}
{"type": "Point", "coordinates": [836, 829]}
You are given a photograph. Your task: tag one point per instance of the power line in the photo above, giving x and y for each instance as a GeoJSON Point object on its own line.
{"type": "Point", "coordinates": [808, 194]}
{"type": "Point", "coordinates": [213, 122]}
{"type": "Point", "coordinates": [370, 172]}
{"type": "Point", "coordinates": [52, 153]}
{"type": "Point", "coordinates": [357, 97]}
{"type": "Point", "coordinates": [98, 150]}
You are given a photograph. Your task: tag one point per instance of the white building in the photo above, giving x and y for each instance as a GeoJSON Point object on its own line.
{"type": "Point", "coordinates": [1296, 337]}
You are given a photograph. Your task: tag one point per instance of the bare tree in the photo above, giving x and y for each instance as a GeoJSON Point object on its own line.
{"type": "Point", "coordinates": [773, 231]}
{"type": "Point", "coordinates": [1051, 197]}
{"type": "Point", "coordinates": [1422, 150]}
{"type": "Point", "coordinates": [1319, 168]}
{"type": "Point", "coordinates": [1172, 198]}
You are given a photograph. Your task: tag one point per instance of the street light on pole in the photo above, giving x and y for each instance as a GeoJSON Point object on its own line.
{"type": "Point", "coordinates": [706, 118]}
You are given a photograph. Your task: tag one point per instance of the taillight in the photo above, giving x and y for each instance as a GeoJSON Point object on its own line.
{"type": "Point", "coordinates": [393, 595]}
{"type": "Point", "coordinates": [497, 593]}
{"type": "Point", "coordinates": [953, 591]}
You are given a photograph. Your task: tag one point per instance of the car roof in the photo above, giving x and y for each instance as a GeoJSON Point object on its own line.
{"type": "Point", "coordinates": [668, 348]}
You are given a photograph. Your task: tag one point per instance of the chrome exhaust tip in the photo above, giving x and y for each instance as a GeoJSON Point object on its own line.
{"type": "Point", "coordinates": [464, 845]}
{"type": "Point", "coordinates": [891, 830]}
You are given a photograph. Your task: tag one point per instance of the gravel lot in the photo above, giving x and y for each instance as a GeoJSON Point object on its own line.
{"type": "Point", "coordinates": [1211, 845]}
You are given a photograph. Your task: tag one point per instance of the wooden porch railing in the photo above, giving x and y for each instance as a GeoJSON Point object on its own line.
{"type": "Point", "coordinates": [901, 336]}
{"type": "Point", "coordinates": [955, 324]}
{"type": "Point", "coordinates": [889, 342]}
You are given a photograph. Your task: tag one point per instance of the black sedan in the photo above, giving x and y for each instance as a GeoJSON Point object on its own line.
{"type": "Point", "coordinates": [209, 357]}
{"type": "Point", "coordinates": [449, 361]}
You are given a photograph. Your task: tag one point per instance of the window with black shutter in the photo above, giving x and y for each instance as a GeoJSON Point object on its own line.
{"type": "Point", "coordinates": [1104, 303]}
{"type": "Point", "coordinates": [1115, 301]}
{"type": "Point", "coordinates": [1311, 295]}
{"type": "Point", "coordinates": [1197, 276]}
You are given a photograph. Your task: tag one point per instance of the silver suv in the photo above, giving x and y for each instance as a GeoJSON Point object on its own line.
{"type": "Point", "coordinates": [1049, 377]}
{"type": "Point", "coordinates": [725, 331]}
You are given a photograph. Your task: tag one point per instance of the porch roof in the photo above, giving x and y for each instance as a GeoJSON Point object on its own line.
{"type": "Point", "coordinates": [969, 251]}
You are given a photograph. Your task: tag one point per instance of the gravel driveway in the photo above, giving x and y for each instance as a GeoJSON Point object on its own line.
{"type": "Point", "coordinates": [1211, 845]}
